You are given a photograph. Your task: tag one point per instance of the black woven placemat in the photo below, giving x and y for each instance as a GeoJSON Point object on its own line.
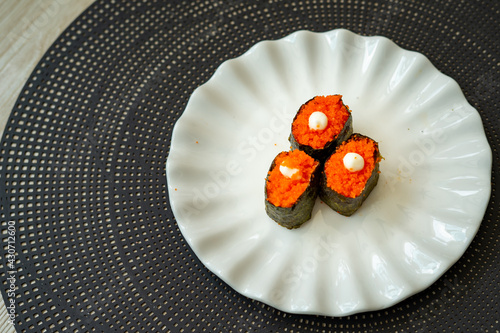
{"type": "Point", "coordinates": [82, 162]}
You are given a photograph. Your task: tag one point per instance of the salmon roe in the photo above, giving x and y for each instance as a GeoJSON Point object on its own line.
{"type": "Point", "coordinates": [336, 112]}
{"type": "Point", "coordinates": [283, 191]}
{"type": "Point", "coordinates": [343, 181]}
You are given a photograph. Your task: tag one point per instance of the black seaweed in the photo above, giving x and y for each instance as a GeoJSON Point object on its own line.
{"type": "Point", "coordinates": [300, 212]}
{"type": "Point", "coordinates": [345, 205]}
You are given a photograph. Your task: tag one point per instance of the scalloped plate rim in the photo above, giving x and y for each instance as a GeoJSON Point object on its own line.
{"type": "Point", "coordinates": [214, 267]}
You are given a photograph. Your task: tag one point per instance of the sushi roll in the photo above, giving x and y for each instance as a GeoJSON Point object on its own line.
{"type": "Point", "coordinates": [291, 188]}
{"type": "Point", "coordinates": [350, 174]}
{"type": "Point", "coordinates": [320, 125]}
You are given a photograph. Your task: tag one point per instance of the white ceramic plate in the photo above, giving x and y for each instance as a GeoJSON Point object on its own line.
{"type": "Point", "coordinates": [431, 197]}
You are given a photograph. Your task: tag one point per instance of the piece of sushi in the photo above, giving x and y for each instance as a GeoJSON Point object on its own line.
{"type": "Point", "coordinates": [292, 188]}
{"type": "Point", "coordinates": [320, 125]}
{"type": "Point", "coordinates": [350, 174]}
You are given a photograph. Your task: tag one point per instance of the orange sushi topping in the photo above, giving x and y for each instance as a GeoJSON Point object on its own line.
{"type": "Point", "coordinates": [343, 181]}
{"type": "Point", "coordinates": [336, 112]}
{"type": "Point", "coordinates": [283, 191]}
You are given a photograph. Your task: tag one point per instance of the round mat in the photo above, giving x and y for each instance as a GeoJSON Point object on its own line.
{"type": "Point", "coordinates": [83, 167]}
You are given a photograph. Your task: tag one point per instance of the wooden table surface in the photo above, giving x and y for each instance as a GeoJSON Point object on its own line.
{"type": "Point", "coordinates": [27, 29]}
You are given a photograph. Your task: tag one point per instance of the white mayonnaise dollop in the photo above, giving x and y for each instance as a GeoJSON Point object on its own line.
{"type": "Point", "coordinates": [287, 172]}
{"type": "Point", "coordinates": [318, 121]}
{"type": "Point", "coordinates": [353, 162]}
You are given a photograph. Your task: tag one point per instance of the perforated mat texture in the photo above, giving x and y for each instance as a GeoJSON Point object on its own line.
{"type": "Point", "coordinates": [83, 155]}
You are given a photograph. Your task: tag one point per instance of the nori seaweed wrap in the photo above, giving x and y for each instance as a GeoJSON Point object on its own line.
{"type": "Point", "coordinates": [319, 137]}
{"type": "Point", "coordinates": [345, 190]}
{"type": "Point", "coordinates": [291, 188]}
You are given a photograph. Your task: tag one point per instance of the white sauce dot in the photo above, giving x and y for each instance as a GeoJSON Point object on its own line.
{"type": "Point", "coordinates": [318, 121]}
{"type": "Point", "coordinates": [287, 172]}
{"type": "Point", "coordinates": [353, 162]}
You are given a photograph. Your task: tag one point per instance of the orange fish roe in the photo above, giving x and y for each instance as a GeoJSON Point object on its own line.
{"type": "Point", "coordinates": [283, 191]}
{"type": "Point", "coordinates": [343, 181]}
{"type": "Point", "coordinates": [336, 112]}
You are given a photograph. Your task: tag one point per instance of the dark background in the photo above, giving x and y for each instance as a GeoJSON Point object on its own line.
{"type": "Point", "coordinates": [82, 166]}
